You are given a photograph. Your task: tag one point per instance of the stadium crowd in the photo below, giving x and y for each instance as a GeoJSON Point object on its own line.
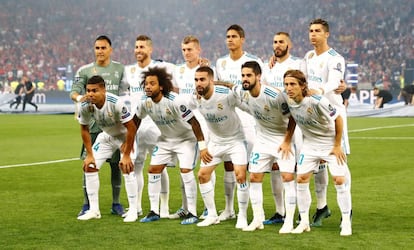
{"type": "Point", "coordinates": [41, 38]}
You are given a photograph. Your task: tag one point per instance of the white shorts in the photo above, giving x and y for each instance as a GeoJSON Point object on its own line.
{"type": "Point", "coordinates": [310, 158]}
{"type": "Point", "coordinates": [167, 152]}
{"type": "Point", "coordinates": [146, 139]}
{"type": "Point", "coordinates": [235, 152]}
{"type": "Point", "coordinates": [265, 153]}
{"type": "Point", "coordinates": [105, 146]}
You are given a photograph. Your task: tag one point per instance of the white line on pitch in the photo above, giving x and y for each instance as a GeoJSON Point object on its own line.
{"type": "Point", "coordinates": [37, 163]}
{"type": "Point", "coordinates": [383, 138]}
{"type": "Point", "coordinates": [376, 128]}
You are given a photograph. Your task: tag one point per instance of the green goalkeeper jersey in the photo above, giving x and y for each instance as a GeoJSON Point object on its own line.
{"type": "Point", "coordinates": [113, 76]}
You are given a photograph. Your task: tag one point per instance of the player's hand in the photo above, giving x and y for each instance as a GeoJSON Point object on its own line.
{"type": "Point", "coordinates": [203, 62]}
{"type": "Point", "coordinates": [341, 87]}
{"type": "Point", "coordinates": [205, 156]}
{"type": "Point", "coordinates": [126, 165]}
{"type": "Point", "coordinates": [339, 154]}
{"type": "Point", "coordinates": [286, 150]}
{"type": "Point", "coordinates": [89, 162]}
{"type": "Point", "coordinates": [272, 61]}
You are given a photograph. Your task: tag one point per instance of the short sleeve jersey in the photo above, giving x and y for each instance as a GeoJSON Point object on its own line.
{"type": "Point", "coordinates": [171, 115]}
{"type": "Point", "coordinates": [110, 118]}
{"type": "Point", "coordinates": [274, 76]}
{"type": "Point", "coordinates": [315, 116]}
{"type": "Point", "coordinates": [269, 109]}
{"type": "Point", "coordinates": [219, 112]}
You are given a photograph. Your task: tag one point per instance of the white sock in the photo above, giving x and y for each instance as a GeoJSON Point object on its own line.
{"type": "Point", "coordinates": [154, 189]}
{"type": "Point", "coordinates": [92, 189]}
{"type": "Point", "coordinates": [348, 181]}
{"type": "Point", "coordinates": [190, 185]}
{"type": "Point", "coordinates": [290, 201]}
{"type": "Point", "coordinates": [343, 197]}
{"type": "Point", "coordinates": [243, 198]}
{"type": "Point", "coordinates": [229, 186]}
{"type": "Point", "coordinates": [131, 190]}
{"type": "Point", "coordinates": [256, 198]}
{"type": "Point", "coordinates": [165, 191]}
{"type": "Point", "coordinates": [139, 168]}
{"type": "Point", "coordinates": [277, 191]}
{"type": "Point", "coordinates": [304, 200]}
{"type": "Point", "coordinates": [207, 192]}
{"type": "Point", "coordinates": [184, 203]}
{"type": "Point", "coordinates": [321, 187]}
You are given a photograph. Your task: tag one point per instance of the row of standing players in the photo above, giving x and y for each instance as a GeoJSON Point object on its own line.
{"type": "Point", "coordinates": [324, 68]}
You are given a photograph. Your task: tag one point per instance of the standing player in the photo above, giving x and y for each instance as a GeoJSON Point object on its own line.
{"type": "Point", "coordinates": [321, 126]}
{"type": "Point", "coordinates": [280, 62]}
{"type": "Point", "coordinates": [148, 132]}
{"type": "Point", "coordinates": [324, 68]}
{"type": "Point", "coordinates": [217, 105]}
{"type": "Point", "coordinates": [270, 110]}
{"type": "Point", "coordinates": [228, 70]}
{"type": "Point", "coordinates": [112, 72]}
{"type": "Point", "coordinates": [111, 115]}
{"type": "Point", "coordinates": [184, 80]}
{"type": "Point", "coordinates": [180, 132]}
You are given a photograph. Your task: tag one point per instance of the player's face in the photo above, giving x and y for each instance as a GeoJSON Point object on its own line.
{"type": "Point", "coordinates": [191, 52]}
{"type": "Point", "coordinates": [233, 40]}
{"type": "Point", "coordinates": [142, 50]}
{"type": "Point", "coordinates": [152, 87]}
{"type": "Point", "coordinates": [317, 35]}
{"type": "Point", "coordinates": [249, 79]}
{"type": "Point", "coordinates": [203, 83]}
{"type": "Point", "coordinates": [103, 51]}
{"type": "Point", "coordinates": [96, 94]}
{"type": "Point", "coordinates": [281, 45]}
{"type": "Point", "coordinates": [293, 89]}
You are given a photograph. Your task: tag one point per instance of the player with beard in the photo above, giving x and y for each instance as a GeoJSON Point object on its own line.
{"type": "Point", "coordinates": [279, 63]}
{"type": "Point", "coordinates": [217, 104]}
{"type": "Point", "coordinates": [180, 132]}
{"type": "Point", "coordinates": [228, 70]}
{"type": "Point", "coordinates": [148, 132]}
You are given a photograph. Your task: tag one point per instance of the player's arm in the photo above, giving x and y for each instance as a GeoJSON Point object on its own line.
{"type": "Point", "coordinates": [226, 84]}
{"type": "Point", "coordinates": [78, 87]}
{"type": "Point", "coordinates": [204, 154]}
{"type": "Point", "coordinates": [127, 147]}
{"type": "Point", "coordinates": [337, 149]}
{"type": "Point", "coordinates": [285, 147]}
{"type": "Point", "coordinates": [87, 142]}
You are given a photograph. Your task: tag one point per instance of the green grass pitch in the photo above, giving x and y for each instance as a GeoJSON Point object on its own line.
{"type": "Point", "coordinates": [39, 201]}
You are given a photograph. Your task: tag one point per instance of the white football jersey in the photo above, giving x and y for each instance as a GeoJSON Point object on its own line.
{"type": "Point", "coordinates": [229, 70]}
{"type": "Point", "coordinates": [219, 112]}
{"type": "Point", "coordinates": [325, 72]}
{"type": "Point", "coordinates": [171, 115]}
{"type": "Point", "coordinates": [315, 116]}
{"type": "Point", "coordinates": [274, 76]}
{"type": "Point", "coordinates": [110, 118]}
{"type": "Point", "coordinates": [269, 109]}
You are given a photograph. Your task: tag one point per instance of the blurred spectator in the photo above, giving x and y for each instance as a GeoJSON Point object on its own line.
{"type": "Point", "coordinates": [382, 96]}
{"type": "Point", "coordinates": [43, 37]}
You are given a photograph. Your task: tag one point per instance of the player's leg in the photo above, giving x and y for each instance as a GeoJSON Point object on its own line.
{"type": "Point", "coordinates": [229, 187]}
{"type": "Point", "coordinates": [256, 199]}
{"type": "Point", "coordinates": [154, 190]}
{"type": "Point", "coordinates": [207, 193]}
{"type": "Point", "coordinates": [276, 185]}
{"type": "Point", "coordinates": [116, 183]}
{"type": "Point", "coordinates": [321, 189]}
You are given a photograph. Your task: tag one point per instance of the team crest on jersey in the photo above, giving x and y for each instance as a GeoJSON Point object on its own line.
{"type": "Point", "coordinates": [321, 65]}
{"type": "Point", "coordinates": [148, 104]}
{"type": "Point", "coordinates": [223, 64]}
{"type": "Point", "coordinates": [183, 108]}
{"type": "Point", "coordinates": [311, 55]}
{"type": "Point", "coordinates": [133, 69]}
{"type": "Point", "coordinates": [219, 106]}
{"type": "Point", "coordinates": [246, 97]}
{"type": "Point", "coordinates": [309, 111]}
{"type": "Point", "coordinates": [338, 67]}
{"type": "Point", "coordinates": [168, 111]}
{"type": "Point", "coordinates": [110, 114]}
{"type": "Point", "coordinates": [95, 71]}
{"type": "Point", "coordinates": [266, 108]}
{"type": "Point", "coordinates": [332, 110]}
{"type": "Point", "coordinates": [182, 69]}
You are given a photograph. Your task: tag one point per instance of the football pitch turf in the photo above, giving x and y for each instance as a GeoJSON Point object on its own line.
{"type": "Point", "coordinates": [41, 179]}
